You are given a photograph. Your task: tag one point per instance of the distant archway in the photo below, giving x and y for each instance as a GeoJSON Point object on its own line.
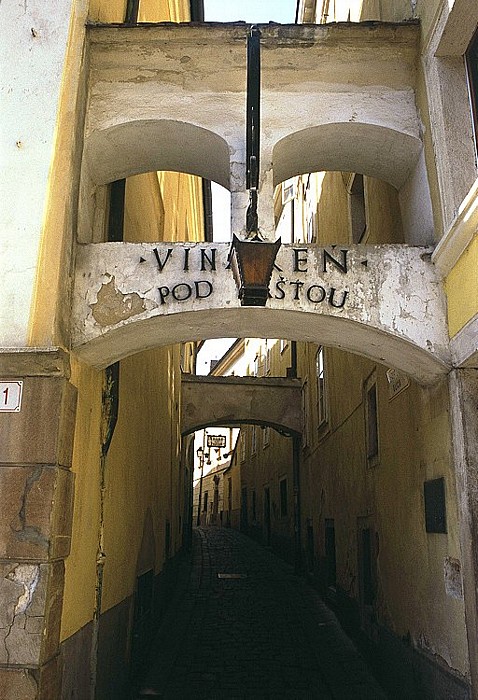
{"type": "Point", "coordinates": [235, 401]}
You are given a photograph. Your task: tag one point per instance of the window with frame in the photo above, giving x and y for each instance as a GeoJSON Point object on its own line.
{"type": "Point", "coordinates": [283, 497]}
{"type": "Point", "coordinates": [266, 435]}
{"type": "Point", "coordinates": [321, 386]}
{"type": "Point", "coordinates": [371, 422]}
{"type": "Point", "coordinates": [357, 213]}
{"type": "Point", "coordinates": [311, 228]}
{"type": "Point", "coordinates": [471, 61]}
{"type": "Point", "coordinates": [254, 439]}
{"type": "Point", "coordinates": [305, 414]}
{"type": "Point", "coordinates": [243, 445]}
{"type": "Point", "coordinates": [256, 365]}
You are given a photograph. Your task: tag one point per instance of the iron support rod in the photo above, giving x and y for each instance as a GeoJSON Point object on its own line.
{"type": "Point", "coordinates": [253, 108]}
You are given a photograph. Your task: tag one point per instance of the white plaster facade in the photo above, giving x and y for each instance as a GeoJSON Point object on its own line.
{"type": "Point", "coordinates": [36, 39]}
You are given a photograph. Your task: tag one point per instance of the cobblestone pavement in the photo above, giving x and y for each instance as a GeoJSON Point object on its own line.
{"type": "Point", "coordinates": [264, 635]}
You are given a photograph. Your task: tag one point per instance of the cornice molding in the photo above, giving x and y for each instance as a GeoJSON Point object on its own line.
{"type": "Point", "coordinates": [460, 234]}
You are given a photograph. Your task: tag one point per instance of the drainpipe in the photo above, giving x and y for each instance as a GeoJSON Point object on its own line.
{"type": "Point", "coordinates": [296, 451]}
{"type": "Point", "coordinates": [110, 416]}
{"type": "Point", "coordinates": [207, 207]}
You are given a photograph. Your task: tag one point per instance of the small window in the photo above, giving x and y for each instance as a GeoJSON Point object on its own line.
{"type": "Point", "coordinates": [288, 191]}
{"type": "Point", "coordinates": [283, 345]}
{"type": "Point", "coordinates": [371, 421]}
{"type": "Point", "coordinates": [330, 553]}
{"type": "Point", "coordinates": [321, 386]}
{"type": "Point", "coordinates": [471, 59]}
{"type": "Point", "coordinates": [132, 12]}
{"type": "Point", "coordinates": [117, 192]}
{"type": "Point", "coordinates": [243, 445]}
{"type": "Point", "coordinates": [283, 497]}
{"type": "Point", "coordinates": [254, 439]}
{"type": "Point", "coordinates": [266, 436]}
{"type": "Point", "coordinates": [435, 507]}
{"type": "Point", "coordinates": [357, 215]}
{"type": "Point", "coordinates": [256, 365]}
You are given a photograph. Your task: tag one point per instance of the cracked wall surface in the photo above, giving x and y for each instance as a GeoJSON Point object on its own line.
{"type": "Point", "coordinates": [35, 526]}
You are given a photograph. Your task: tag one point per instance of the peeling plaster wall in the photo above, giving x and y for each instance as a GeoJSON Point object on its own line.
{"type": "Point", "coordinates": [139, 96]}
{"type": "Point", "coordinates": [142, 472]}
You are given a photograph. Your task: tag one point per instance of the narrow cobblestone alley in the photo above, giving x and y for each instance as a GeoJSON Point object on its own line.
{"type": "Point", "coordinates": [242, 625]}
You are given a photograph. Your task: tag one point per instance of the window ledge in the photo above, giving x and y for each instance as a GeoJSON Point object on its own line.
{"type": "Point", "coordinates": [459, 235]}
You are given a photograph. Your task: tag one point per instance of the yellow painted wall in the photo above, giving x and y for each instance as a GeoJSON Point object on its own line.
{"type": "Point", "coordinates": [149, 10]}
{"type": "Point", "coordinates": [80, 565]}
{"type": "Point", "coordinates": [184, 213]}
{"type": "Point", "coordinates": [141, 467]}
{"type": "Point", "coordinates": [337, 480]}
{"type": "Point", "coordinates": [382, 209]}
{"type": "Point", "coordinates": [339, 484]}
{"type": "Point", "coordinates": [143, 474]}
{"type": "Point", "coordinates": [462, 289]}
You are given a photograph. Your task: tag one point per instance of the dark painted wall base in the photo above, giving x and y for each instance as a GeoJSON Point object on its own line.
{"type": "Point", "coordinates": [114, 679]}
{"type": "Point", "coordinates": [402, 670]}
{"type": "Point", "coordinates": [75, 654]}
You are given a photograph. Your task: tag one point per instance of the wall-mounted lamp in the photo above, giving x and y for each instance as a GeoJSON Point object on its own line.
{"type": "Point", "coordinates": [252, 263]}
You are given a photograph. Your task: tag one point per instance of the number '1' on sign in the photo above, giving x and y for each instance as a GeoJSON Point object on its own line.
{"type": "Point", "coordinates": [11, 396]}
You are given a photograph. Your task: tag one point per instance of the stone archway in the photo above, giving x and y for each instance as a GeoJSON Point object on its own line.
{"type": "Point", "coordinates": [384, 302]}
{"type": "Point", "coordinates": [235, 401]}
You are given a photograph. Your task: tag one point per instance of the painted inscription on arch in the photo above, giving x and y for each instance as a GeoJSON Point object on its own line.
{"type": "Point", "coordinates": [291, 280]}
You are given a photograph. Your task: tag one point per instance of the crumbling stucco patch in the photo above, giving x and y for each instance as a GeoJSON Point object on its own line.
{"type": "Point", "coordinates": [20, 642]}
{"type": "Point", "coordinates": [453, 580]}
{"type": "Point", "coordinates": [112, 306]}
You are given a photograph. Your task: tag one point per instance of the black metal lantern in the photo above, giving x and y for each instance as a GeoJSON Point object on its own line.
{"type": "Point", "coordinates": [251, 263]}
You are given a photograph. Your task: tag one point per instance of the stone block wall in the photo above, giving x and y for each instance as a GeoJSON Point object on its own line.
{"type": "Point", "coordinates": [35, 522]}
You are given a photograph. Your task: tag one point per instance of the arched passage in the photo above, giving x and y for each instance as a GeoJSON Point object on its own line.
{"type": "Point", "coordinates": [234, 401]}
